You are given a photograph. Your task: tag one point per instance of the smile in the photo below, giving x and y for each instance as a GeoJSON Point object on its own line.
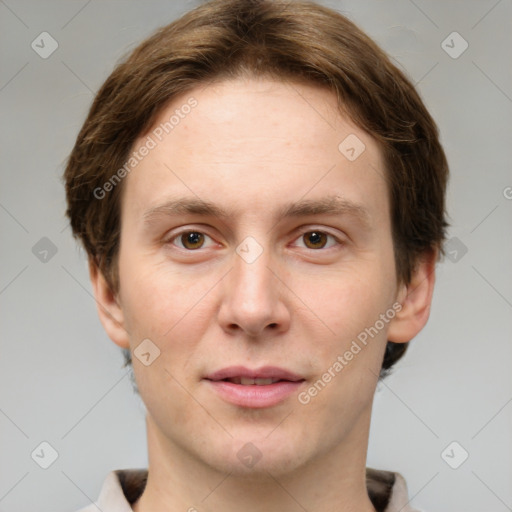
{"type": "Point", "coordinates": [259, 388]}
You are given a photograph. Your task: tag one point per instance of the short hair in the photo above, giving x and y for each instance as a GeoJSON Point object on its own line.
{"type": "Point", "coordinates": [296, 41]}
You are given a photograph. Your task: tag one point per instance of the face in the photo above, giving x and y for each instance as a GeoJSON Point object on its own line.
{"type": "Point", "coordinates": [255, 254]}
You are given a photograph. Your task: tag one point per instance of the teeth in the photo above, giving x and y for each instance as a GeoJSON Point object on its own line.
{"type": "Point", "coordinates": [247, 381]}
{"type": "Point", "coordinates": [263, 382]}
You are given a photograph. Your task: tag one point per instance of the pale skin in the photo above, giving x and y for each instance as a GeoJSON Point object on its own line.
{"type": "Point", "coordinates": [254, 147]}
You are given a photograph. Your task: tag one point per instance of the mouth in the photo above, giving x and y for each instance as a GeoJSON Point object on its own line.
{"type": "Point", "coordinates": [247, 381]}
{"type": "Point", "coordinates": [258, 388]}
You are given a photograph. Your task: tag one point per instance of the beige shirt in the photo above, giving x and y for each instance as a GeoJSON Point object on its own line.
{"type": "Point", "coordinates": [387, 491]}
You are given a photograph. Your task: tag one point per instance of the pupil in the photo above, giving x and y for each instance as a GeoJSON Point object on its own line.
{"type": "Point", "coordinates": [315, 238]}
{"type": "Point", "coordinates": [193, 239]}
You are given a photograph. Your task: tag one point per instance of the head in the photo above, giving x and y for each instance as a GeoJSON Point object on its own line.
{"type": "Point", "coordinates": [220, 121]}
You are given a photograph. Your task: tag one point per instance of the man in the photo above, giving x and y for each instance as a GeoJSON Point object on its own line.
{"type": "Point", "coordinates": [261, 196]}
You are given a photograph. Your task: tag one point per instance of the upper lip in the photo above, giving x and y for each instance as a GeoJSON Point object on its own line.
{"type": "Point", "coordinates": [265, 372]}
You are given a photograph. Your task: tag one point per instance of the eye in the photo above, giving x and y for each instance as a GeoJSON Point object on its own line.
{"type": "Point", "coordinates": [189, 240]}
{"type": "Point", "coordinates": [316, 239]}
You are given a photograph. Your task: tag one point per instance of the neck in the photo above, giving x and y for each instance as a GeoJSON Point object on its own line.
{"type": "Point", "coordinates": [177, 480]}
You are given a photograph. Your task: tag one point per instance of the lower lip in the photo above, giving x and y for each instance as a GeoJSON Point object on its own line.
{"type": "Point", "coordinates": [255, 396]}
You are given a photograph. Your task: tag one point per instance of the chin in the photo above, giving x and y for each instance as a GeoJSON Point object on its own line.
{"type": "Point", "coordinates": [255, 456]}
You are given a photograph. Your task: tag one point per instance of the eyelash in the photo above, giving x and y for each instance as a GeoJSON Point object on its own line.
{"type": "Point", "coordinates": [177, 236]}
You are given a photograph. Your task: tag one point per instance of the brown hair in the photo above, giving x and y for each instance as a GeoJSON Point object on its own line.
{"type": "Point", "coordinates": [287, 40]}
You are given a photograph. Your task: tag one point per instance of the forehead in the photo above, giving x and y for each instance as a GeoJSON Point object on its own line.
{"type": "Point", "coordinates": [246, 140]}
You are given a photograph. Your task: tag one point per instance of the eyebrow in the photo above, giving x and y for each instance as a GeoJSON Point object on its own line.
{"type": "Point", "coordinates": [330, 205]}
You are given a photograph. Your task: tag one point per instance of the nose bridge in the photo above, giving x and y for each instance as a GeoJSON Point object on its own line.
{"type": "Point", "coordinates": [252, 285]}
{"type": "Point", "coordinates": [251, 299]}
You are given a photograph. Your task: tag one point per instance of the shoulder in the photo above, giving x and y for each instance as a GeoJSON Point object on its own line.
{"type": "Point", "coordinates": [388, 491]}
{"type": "Point", "coordinates": [120, 489]}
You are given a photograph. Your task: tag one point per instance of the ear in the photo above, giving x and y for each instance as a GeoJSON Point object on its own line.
{"type": "Point", "coordinates": [110, 312]}
{"type": "Point", "coordinates": [415, 299]}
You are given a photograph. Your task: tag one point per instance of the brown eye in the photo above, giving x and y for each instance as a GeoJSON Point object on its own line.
{"type": "Point", "coordinates": [192, 240]}
{"type": "Point", "coordinates": [315, 239]}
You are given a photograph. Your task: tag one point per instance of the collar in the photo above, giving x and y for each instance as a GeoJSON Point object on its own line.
{"type": "Point", "coordinates": [387, 491]}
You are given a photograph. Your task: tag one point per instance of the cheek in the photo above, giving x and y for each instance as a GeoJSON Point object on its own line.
{"type": "Point", "coordinates": [348, 357]}
{"type": "Point", "coordinates": [350, 304]}
{"type": "Point", "coordinates": [350, 300]}
{"type": "Point", "coordinates": [155, 299]}
{"type": "Point", "coordinates": [174, 311]}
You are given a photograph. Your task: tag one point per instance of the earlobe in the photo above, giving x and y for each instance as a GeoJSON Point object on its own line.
{"type": "Point", "coordinates": [415, 299]}
{"type": "Point", "coordinates": [109, 310]}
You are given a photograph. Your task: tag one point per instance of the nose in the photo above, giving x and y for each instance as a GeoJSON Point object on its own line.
{"type": "Point", "coordinates": [253, 298]}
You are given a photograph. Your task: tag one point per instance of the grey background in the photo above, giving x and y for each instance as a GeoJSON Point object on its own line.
{"type": "Point", "coordinates": [62, 379]}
